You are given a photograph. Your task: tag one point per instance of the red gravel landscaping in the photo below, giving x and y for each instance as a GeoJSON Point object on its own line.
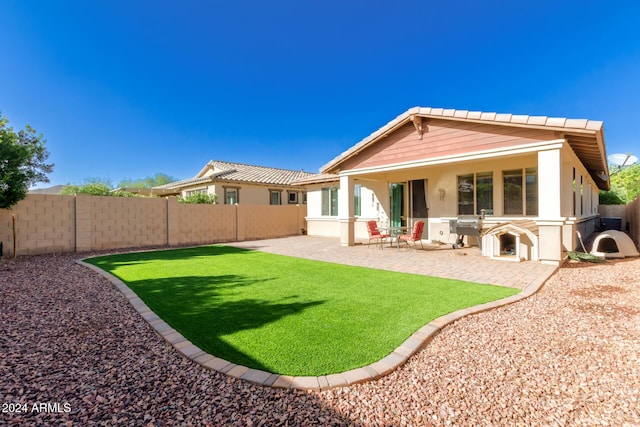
{"type": "Point", "coordinates": [74, 352]}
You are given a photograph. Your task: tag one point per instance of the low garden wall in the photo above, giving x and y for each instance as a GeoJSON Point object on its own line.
{"type": "Point", "coordinates": [43, 224]}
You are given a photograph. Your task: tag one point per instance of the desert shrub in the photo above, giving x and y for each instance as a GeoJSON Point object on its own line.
{"type": "Point", "coordinates": [199, 198]}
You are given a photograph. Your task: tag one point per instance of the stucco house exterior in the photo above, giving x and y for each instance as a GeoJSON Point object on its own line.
{"type": "Point", "coordinates": [535, 178]}
{"type": "Point", "coordinates": [238, 183]}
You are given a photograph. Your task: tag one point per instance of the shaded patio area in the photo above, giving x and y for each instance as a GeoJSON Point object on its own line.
{"type": "Point", "coordinates": [440, 261]}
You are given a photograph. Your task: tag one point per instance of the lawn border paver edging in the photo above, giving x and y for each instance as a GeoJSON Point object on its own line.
{"type": "Point", "coordinates": [383, 367]}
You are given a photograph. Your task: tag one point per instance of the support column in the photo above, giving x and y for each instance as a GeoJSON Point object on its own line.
{"type": "Point", "coordinates": [550, 184]}
{"type": "Point", "coordinates": [346, 216]}
{"type": "Point", "coordinates": [550, 227]}
{"type": "Point", "coordinates": [550, 242]}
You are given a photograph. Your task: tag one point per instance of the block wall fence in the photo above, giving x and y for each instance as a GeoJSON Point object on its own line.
{"type": "Point", "coordinates": [628, 214]}
{"type": "Point", "coordinates": [633, 216]}
{"type": "Point", "coordinates": [42, 224]}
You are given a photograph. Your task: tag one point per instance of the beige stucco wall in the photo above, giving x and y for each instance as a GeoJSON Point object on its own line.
{"type": "Point", "coordinates": [56, 223]}
{"type": "Point", "coordinates": [323, 227]}
{"type": "Point", "coordinates": [249, 194]}
{"type": "Point", "coordinates": [254, 194]}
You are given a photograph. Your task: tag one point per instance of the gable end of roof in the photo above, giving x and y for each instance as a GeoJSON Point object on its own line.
{"type": "Point", "coordinates": [589, 128]}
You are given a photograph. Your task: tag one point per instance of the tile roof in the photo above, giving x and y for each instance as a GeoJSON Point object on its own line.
{"type": "Point", "coordinates": [586, 137]}
{"type": "Point", "coordinates": [257, 174]}
{"type": "Point", "coordinates": [183, 183]}
{"type": "Point", "coordinates": [318, 178]}
{"type": "Point", "coordinates": [239, 172]}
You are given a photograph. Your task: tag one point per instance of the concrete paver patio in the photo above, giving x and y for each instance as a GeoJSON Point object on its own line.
{"type": "Point", "coordinates": [441, 261]}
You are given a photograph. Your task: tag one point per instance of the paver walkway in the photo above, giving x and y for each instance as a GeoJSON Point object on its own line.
{"type": "Point", "coordinates": [441, 261]}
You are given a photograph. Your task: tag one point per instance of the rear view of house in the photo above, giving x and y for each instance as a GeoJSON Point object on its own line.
{"type": "Point", "coordinates": [535, 179]}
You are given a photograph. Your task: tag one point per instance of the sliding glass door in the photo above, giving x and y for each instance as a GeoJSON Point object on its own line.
{"type": "Point", "coordinates": [397, 214]}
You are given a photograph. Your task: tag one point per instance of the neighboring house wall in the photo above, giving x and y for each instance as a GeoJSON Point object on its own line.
{"type": "Point", "coordinates": [252, 194]}
{"type": "Point", "coordinates": [245, 194]}
{"type": "Point", "coordinates": [255, 194]}
{"type": "Point", "coordinates": [57, 223]}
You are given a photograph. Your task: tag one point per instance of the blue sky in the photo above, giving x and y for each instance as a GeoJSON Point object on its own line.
{"type": "Point", "coordinates": [126, 89]}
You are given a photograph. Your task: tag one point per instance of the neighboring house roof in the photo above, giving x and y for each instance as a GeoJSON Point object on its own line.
{"type": "Point", "coordinates": [184, 183]}
{"type": "Point", "coordinates": [217, 170]}
{"type": "Point", "coordinates": [318, 178]}
{"type": "Point", "coordinates": [586, 137]}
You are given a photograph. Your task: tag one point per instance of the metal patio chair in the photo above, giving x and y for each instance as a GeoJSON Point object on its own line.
{"type": "Point", "coordinates": [375, 234]}
{"type": "Point", "coordinates": [414, 237]}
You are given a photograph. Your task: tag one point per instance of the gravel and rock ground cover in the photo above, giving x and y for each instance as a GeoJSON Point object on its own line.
{"type": "Point", "coordinates": [73, 352]}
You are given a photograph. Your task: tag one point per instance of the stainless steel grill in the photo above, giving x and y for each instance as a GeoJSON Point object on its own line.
{"type": "Point", "coordinates": [465, 226]}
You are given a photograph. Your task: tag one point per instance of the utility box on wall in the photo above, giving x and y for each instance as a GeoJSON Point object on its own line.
{"type": "Point", "coordinates": [612, 223]}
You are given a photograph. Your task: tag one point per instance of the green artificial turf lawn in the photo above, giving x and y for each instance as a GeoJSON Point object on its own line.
{"type": "Point", "coordinates": [289, 315]}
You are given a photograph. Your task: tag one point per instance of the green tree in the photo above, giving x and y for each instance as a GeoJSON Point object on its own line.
{"type": "Point", "coordinates": [199, 198]}
{"type": "Point", "coordinates": [92, 186]}
{"type": "Point", "coordinates": [23, 162]}
{"type": "Point", "coordinates": [148, 182]}
{"type": "Point", "coordinates": [625, 186]}
{"type": "Point", "coordinates": [610, 198]}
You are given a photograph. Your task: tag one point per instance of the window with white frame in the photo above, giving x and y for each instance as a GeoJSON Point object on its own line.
{"type": "Point", "coordinates": [330, 201]}
{"type": "Point", "coordinates": [520, 191]}
{"type": "Point", "coordinates": [475, 192]}
{"type": "Point", "coordinates": [531, 191]}
{"type": "Point", "coordinates": [357, 200]}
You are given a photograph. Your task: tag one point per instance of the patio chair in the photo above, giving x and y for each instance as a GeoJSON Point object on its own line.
{"type": "Point", "coordinates": [375, 234]}
{"type": "Point", "coordinates": [414, 237]}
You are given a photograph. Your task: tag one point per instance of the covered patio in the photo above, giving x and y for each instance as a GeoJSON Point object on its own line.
{"type": "Point", "coordinates": [437, 165]}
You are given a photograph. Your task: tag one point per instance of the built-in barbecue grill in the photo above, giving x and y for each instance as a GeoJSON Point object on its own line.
{"type": "Point", "coordinates": [465, 226]}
